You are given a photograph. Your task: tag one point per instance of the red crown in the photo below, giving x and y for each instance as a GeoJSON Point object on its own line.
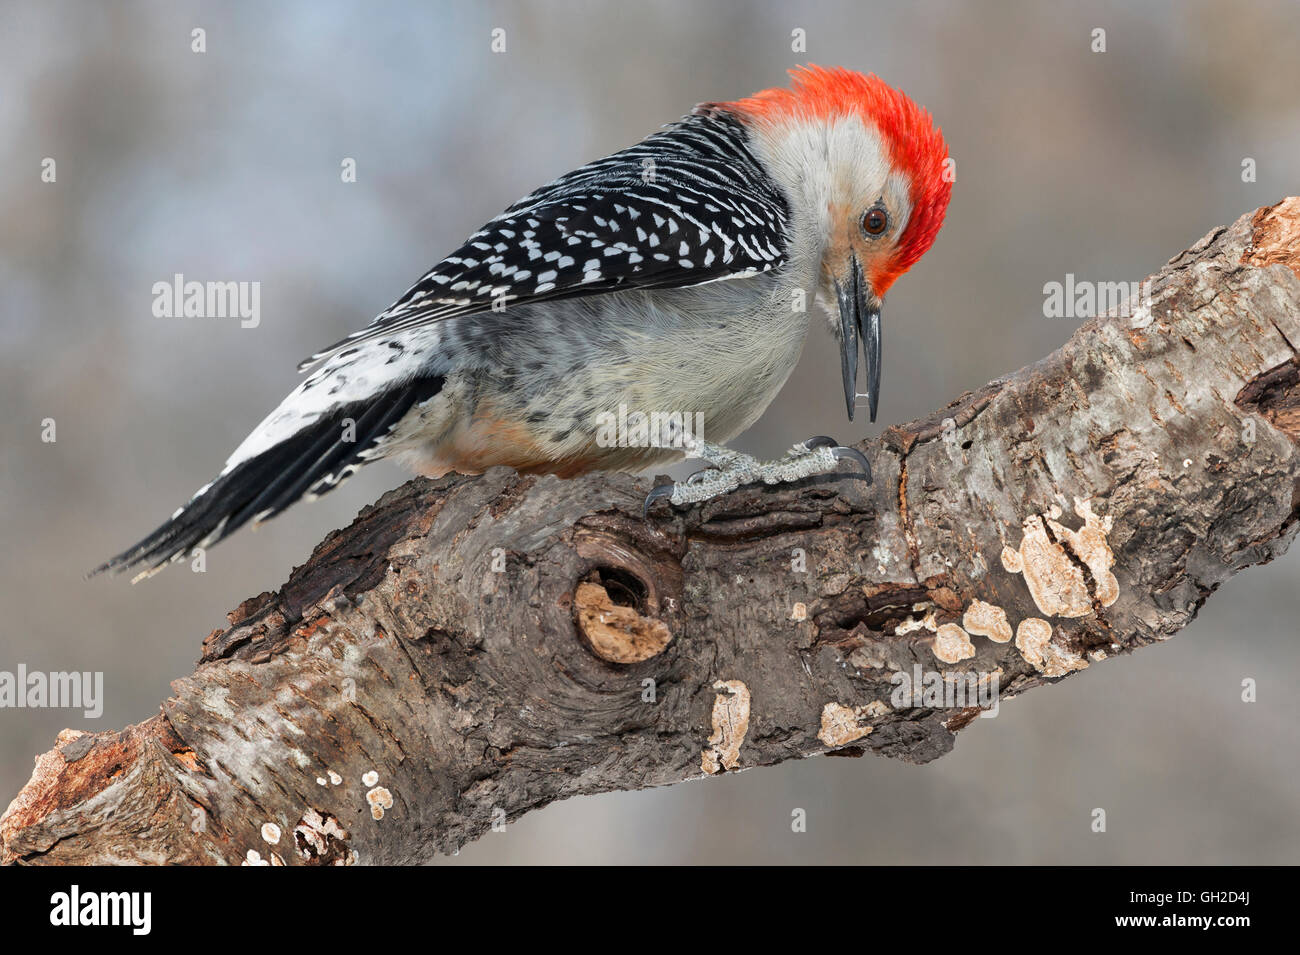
{"type": "Point", "coordinates": [916, 145]}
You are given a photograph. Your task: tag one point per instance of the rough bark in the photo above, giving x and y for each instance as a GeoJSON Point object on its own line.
{"type": "Point", "coordinates": [434, 668]}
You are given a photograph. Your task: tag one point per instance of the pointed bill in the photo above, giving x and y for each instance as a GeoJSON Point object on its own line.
{"type": "Point", "coordinates": [848, 296]}
{"type": "Point", "coordinates": [871, 350]}
{"type": "Point", "coordinates": [859, 321]}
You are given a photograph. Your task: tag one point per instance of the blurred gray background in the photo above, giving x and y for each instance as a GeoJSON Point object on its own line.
{"type": "Point", "coordinates": [226, 166]}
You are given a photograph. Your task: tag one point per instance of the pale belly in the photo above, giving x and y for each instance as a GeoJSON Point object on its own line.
{"type": "Point", "coordinates": [560, 391]}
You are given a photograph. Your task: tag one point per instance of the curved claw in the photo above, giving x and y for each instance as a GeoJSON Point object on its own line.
{"type": "Point", "coordinates": [820, 441]}
{"type": "Point", "coordinates": [853, 454]}
{"type": "Point", "coordinates": [694, 476]}
{"type": "Point", "coordinates": [658, 493]}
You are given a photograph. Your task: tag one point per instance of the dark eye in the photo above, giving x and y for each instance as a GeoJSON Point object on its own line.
{"type": "Point", "coordinates": [875, 221]}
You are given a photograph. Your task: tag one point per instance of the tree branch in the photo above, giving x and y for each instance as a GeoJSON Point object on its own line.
{"type": "Point", "coordinates": [473, 648]}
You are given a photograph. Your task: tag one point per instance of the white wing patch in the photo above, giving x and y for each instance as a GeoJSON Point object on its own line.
{"type": "Point", "coordinates": [355, 374]}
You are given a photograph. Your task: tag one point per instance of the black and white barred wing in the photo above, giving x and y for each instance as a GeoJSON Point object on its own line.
{"type": "Point", "coordinates": [688, 205]}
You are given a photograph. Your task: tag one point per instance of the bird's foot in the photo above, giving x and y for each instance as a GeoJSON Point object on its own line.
{"type": "Point", "coordinates": [732, 469]}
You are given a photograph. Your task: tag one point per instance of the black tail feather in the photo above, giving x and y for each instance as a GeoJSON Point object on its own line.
{"type": "Point", "coordinates": [316, 459]}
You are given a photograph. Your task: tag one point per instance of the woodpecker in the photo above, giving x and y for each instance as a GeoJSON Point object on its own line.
{"type": "Point", "coordinates": [670, 278]}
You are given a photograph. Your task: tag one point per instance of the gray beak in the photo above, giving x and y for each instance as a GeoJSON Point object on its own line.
{"type": "Point", "coordinates": [858, 320]}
